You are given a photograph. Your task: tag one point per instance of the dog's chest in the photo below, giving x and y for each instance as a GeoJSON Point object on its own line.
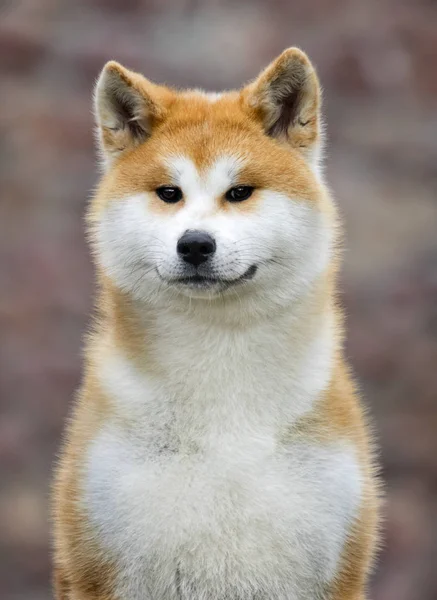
{"type": "Point", "coordinates": [238, 518]}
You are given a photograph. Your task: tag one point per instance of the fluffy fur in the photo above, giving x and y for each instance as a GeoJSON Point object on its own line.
{"type": "Point", "coordinates": [217, 449]}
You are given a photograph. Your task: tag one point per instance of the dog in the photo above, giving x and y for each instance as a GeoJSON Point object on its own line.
{"type": "Point", "coordinates": [217, 448]}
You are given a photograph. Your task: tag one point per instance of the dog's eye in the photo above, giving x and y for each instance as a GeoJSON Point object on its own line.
{"type": "Point", "coordinates": [169, 194]}
{"type": "Point", "coordinates": [239, 193]}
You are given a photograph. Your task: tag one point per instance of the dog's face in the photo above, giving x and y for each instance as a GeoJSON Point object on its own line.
{"type": "Point", "coordinates": [212, 196]}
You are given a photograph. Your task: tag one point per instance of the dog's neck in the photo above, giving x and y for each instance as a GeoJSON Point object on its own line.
{"type": "Point", "coordinates": [274, 367]}
{"type": "Point", "coordinates": [139, 325]}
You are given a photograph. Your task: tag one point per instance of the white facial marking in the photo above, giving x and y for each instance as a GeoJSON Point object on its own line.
{"type": "Point", "coordinates": [210, 184]}
{"type": "Point", "coordinates": [214, 96]}
{"type": "Point", "coordinates": [285, 239]}
{"type": "Point", "coordinates": [210, 96]}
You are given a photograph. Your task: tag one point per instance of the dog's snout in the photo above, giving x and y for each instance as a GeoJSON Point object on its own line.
{"type": "Point", "coordinates": [196, 247]}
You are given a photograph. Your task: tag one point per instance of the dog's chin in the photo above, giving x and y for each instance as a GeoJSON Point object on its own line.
{"type": "Point", "coordinates": [199, 285]}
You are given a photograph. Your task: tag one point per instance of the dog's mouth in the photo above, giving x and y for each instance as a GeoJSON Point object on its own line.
{"type": "Point", "coordinates": [203, 282]}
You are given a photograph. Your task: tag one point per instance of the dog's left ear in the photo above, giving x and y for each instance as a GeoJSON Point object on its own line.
{"type": "Point", "coordinates": [286, 98]}
{"type": "Point", "coordinates": [127, 107]}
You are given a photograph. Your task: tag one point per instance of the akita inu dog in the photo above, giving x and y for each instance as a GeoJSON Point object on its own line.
{"type": "Point", "coordinates": [217, 449]}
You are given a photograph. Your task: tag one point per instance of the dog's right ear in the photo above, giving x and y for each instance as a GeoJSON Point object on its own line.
{"type": "Point", "coordinates": [286, 99]}
{"type": "Point", "coordinates": [127, 106]}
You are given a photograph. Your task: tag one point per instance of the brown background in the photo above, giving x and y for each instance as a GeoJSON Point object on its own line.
{"type": "Point", "coordinates": [377, 61]}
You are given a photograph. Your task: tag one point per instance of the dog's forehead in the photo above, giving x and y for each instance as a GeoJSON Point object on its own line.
{"type": "Point", "coordinates": [210, 143]}
{"type": "Point", "coordinates": [205, 127]}
{"type": "Point", "coordinates": [212, 176]}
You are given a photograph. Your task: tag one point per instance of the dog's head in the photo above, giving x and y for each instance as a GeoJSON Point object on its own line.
{"type": "Point", "coordinates": [212, 196]}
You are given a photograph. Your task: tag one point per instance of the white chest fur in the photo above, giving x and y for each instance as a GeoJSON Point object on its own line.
{"type": "Point", "coordinates": [200, 500]}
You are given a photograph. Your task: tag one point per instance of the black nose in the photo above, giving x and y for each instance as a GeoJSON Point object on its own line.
{"type": "Point", "coordinates": [195, 247]}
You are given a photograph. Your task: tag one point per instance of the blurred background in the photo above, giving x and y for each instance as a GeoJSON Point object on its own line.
{"type": "Point", "coordinates": [377, 61]}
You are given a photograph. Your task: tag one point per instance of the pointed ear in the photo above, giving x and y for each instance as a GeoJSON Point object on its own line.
{"type": "Point", "coordinates": [286, 98]}
{"type": "Point", "coordinates": [127, 106]}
